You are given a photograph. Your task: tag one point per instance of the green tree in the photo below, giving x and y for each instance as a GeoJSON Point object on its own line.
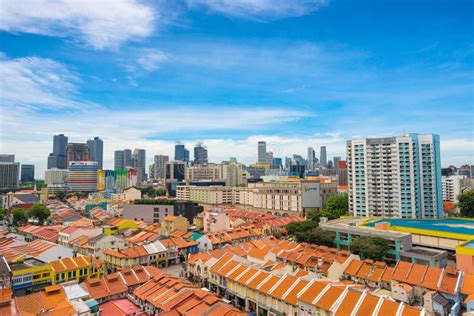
{"type": "Point", "coordinates": [20, 216]}
{"type": "Point", "coordinates": [39, 212]}
{"type": "Point", "coordinates": [316, 236]}
{"type": "Point", "coordinates": [336, 206]}
{"type": "Point", "coordinates": [298, 227]}
{"type": "Point", "coordinates": [3, 213]}
{"type": "Point", "coordinates": [466, 203]}
{"type": "Point", "coordinates": [374, 248]}
{"type": "Point", "coordinates": [61, 195]}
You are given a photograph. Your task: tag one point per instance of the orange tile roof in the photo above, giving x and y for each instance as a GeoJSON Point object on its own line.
{"type": "Point", "coordinates": [431, 278]}
{"type": "Point", "coordinates": [387, 274]}
{"type": "Point", "coordinates": [449, 280]}
{"type": "Point", "coordinates": [283, 286]}
{"type": "Point", "coordinates": [353, 267]}
{"type": "Point", "coordinates": [417, 274]}
{"type": "Point", "coordinates": [364, 269]}
{"type": "Point", "coordinates": [247, 275]}
{"type": "Point", "coordinates": [368, 305]}
{"type": "Point", "coordinates": [410, 311]}
{"type": "Point", "coordinates": [329, 297]}
{"type": "Point", "coordinates": [312, 292]}
{"type": "Point", "coordinates": [291, 297]}
{"type": "Point", "coordinates": [400, 273]}
{"type": "Point", "coordinates": [257, 280]}
{"type": "Point", "coordinates": [388, 308]}
{"type": "Point", "coordinates": [269, 283]}
{"type": "Point", "coordinates": [346, 306]}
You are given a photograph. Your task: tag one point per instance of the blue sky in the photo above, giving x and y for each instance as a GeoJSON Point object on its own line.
{"type": "Point", "coordinates": [229, 73]}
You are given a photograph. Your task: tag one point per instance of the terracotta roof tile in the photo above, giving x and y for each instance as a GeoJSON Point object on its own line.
{"type": "Point", "coordinates": [346, 306]}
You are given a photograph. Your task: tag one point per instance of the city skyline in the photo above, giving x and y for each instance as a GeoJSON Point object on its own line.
{"type": "Point", "coordinates": [296, 74]}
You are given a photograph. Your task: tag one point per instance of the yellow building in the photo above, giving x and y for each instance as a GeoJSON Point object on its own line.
{"type": "Point", "coordinates": [172, 223]}
{"type": "Point", "coordinates": [114, 225]}
{"type": "Point", "coordinates": [79, 268]}
{"type": "Point", "coordinates": [29, 275]}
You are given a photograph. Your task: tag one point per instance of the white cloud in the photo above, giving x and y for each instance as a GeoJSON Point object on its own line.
{"type": "Point", "coordinates": [258, 9]}
{"type": "Point", "coordinates": [99, 24]}
{"type": "Point", "coordinates": [38, 82]}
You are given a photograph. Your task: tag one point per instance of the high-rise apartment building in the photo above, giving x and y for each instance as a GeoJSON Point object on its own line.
{"type": "Point", "coordinates": [181, 153]}
{"type": "Point", "coordinates": [83, 176]}
{"type": "Point", "coordinates": [200, 154]}
{"type": "Point", "coordinates": [7, 158]}
{"type": "Point", "coordinates": [310, 158]}
{"type": "Point", "coordinates": [452, 187]}
{"type": "Point", "coordinates": [27, 173]}
{"type": "Point", "coordinates": [139, 163]}
{"type": "Point", "coordinates": [262, 152]}
{"type": "Point", "coordinates": [58, 159]}
{"type": "Point", "coordinates": [323, 158]}
{"type": "Point", "coordinates": [9, 174]}
{"type": "Point", "coordinates": [96, 149]}
{"type": "Point", "coordinates": [77, 152]}
{"type": "Point", "coordinates": [395, 176]}
{"type": "Point", "coordinates": [158, 168]}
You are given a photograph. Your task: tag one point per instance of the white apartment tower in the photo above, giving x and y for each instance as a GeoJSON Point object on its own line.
{"type": "Point", "coordinates": [395, 177]}
{"type": "Point", "coordinates": [452, 187]}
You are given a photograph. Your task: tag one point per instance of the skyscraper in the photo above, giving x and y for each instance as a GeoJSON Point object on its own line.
{"type": "Point", "coordinates": [310, 160]}
{"type": "Point", "coordinates": [119, 160]}
{"type": "Point", "coordinates": [180, 152]}
{"type": "Point", "coordinates": [77, 152]}
{"type": "Point", "coordinates": [9, 173]}
{"type": "Point", "coordinates": [323, 159]}
{"type": "Point", "coordinates": [139, 162]}
{"type": "Point", "coordinates": [175, 171]}
{"type": "Point", "coordinates": [7, 158]}
{"type": "Point", "coordinates": [159, 166]}
{"type": "Point", "coordinates": [395, 176]}
{"type": "Point", "coordinates": [336, 160]}
{"type": "Point", "coordinates": [58, 159]}
{"type": "Point", "coordinates": [200, 154]}
{"type": "Point", "coordinates": [96, 149]}
{"type": "Point", "coordinates": [262, 152]}
{"type": "Point", "coordinates": [27, 173]}
{"type": "Point", "coordinates": [127, 158]}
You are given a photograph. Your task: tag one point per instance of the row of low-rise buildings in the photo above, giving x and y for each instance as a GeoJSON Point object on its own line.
{"type": "Point", "coordinates": [290, 196]}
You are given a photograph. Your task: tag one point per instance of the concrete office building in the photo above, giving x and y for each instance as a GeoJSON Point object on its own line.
{"type": "Point", "coordinates": [27, 173]}
{"type": "Point", "coordinates": [139, 163]}
{"type": "Point", "coordinates": [452, 187]}
{"type": "Point", "coordinates": [83, 176]}
{"type": "Point", "coordinates": [58, 159]}
{"type": "Point", "coordinates": [203, 172]}
{"type": "Point", "coordinates": [262, 152]}
{"type": "Point", "coordinates": [123, 159]}
{"type": "Point", "coordinates": [158, 168]}
{"type": "Point", "coordinates": [77, 152]}
{"type": "Point", "coordinates": [310, 158]}
{"type": "Point", "coordinates": [395, 176]}
{"type": "Point", "coordinates": [200, 154]}
{"type": "Point", "coordinates": [56, 176]}
{"type": "Point", "coordinates": [147, 213]}
{"type": "Point", "coordinates": [96, 149]}
{"type": "Point", "coordinates": [181, 153]}
{"type": "Point", "coordinates": [7, 158]}
{"type": "Point", "coordinates": [233, 173]}
{"type": "Point", "coordinates": [292, 196]}
{"type": "Point", "coordinates": [323, 158]}
{"type": "Point", "coordinates": [9, 174]}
